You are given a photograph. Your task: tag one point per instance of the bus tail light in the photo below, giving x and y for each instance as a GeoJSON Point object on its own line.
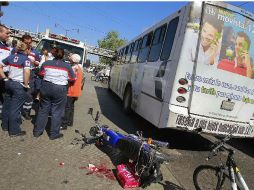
{"type": "Point", "coordinates": [180, 99]}
{"type": "Point", "coordinates": [181, 90]}
{"type": "Point", "coordinates": [183, 81]}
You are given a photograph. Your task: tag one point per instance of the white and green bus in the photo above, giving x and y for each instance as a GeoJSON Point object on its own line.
{"type": "Point", "coordinates": [192, 70]}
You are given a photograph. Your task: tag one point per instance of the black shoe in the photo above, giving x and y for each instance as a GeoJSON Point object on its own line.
{"type": "Point", "coordinates": [4, 129]}
{"type": "Point", "coordinates": [36, 135]}
{"type": "Point", "coordinates": [63, 128]}
{"type": "Point", "coordinates": [36, 100]}
{"type": "Point", "coordinates": [60, 135]}
{"type": "Point", "coordinates": [27, 116]}
{"type": "Point", "coordinates": [21, 133]}
{"type": "Point", "coordinates": [70, 125]}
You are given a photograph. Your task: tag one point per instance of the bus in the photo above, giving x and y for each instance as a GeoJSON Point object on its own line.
{"type": "Point", "coordinates": [191, 71]}
{"type": "Point", "coordinates": [70, 46]}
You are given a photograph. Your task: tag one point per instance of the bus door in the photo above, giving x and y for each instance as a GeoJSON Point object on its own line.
{"type": "Point", "coordinates": [223, 86]}
{"type": "Point", "coordinates": [156, 69]}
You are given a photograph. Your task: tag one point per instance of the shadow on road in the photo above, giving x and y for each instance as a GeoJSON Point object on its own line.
{"type": "Point", "coordinates": [111, 108]}
{"type": "Point", "coordinates": [244, 145]}
{"type": "Point", "coordinates": [171, 186]}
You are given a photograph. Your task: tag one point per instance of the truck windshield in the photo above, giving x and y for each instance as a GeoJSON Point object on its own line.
{"type": "Point", "coordinates": [68, 49]}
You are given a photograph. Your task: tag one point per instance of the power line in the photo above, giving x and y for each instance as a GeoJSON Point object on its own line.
{"type": "Point", "coordinates": [105, 15]}
{"type": "Point", "coordinates": [63, 20]}
{"type": "Point", "coordinates": [242, 4]}
{"type": "Point", "coordinates": [88, 26]}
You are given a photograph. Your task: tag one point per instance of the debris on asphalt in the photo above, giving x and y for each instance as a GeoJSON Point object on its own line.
{"type": "Point", "coordinates": [100, 171]}
{"type": "Point", "coordinates": [127, 177]}
{"type": "Point", "coordinates": [61, 164]}
{"type": "Point", "coordinates": [65, 181]}
{"type": "Point", "coordinates": [19, 153]}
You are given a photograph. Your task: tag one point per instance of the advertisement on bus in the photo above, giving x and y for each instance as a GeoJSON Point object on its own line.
{"type": "Point", "coordinates": [223, 75]}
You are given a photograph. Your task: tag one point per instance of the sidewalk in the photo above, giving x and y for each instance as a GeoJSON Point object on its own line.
{"type": "Point", "coordinates": [38, 163]}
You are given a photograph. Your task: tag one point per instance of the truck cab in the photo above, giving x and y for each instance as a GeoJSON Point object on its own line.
{"type": "Point", "coordinates": [70, 46]}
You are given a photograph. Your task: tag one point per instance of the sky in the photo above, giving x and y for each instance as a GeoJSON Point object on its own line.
{"type": "Point", "coordinates": [91, 21]}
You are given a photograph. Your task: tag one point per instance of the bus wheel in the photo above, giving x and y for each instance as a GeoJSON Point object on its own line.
{"type": "Point", "coordinates": [109, 89]}
{"type": "Point", "coordinates": [127, 99]}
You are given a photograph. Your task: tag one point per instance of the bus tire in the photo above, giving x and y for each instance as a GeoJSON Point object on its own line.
{"type": "Point", "coordinates": [127, 100]}
{"type": "Point", "coordinates": [109, 89]}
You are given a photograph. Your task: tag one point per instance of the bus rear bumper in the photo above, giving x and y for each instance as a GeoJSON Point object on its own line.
{"type": "Point", "coordinates": [194, 123]}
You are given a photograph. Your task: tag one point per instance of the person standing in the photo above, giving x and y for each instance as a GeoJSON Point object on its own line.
{"type": "Point", "coordinates": [16, 87]}
{"type": "Point", "coordinates": [56, 74]}
{"type": "Point", "coordinates": [74, 91]}
{"type": "Point", "coordinates": [35, 60]}
{"type": "Point", "coordinates": [4, 52]}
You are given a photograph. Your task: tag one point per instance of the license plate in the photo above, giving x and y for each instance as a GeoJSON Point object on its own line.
{"type": "Point", "coordinates": [227, 105]}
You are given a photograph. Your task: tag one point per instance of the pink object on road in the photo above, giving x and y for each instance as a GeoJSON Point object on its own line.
{"type": "Point", "coordinates": [127, 177]}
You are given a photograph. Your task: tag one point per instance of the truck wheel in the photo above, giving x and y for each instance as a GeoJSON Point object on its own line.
{"type": "Point", "coordinates": [127, 99]}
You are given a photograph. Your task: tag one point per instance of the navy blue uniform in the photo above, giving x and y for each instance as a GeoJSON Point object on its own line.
{"type": "Point", "coordinates": [56, 74]}
{"type": "Point", "coordinates": [14, 88]}
{"type": "Point", "coordinates": [4, 52]}
{"type": "Point", "coordinates": [33, 56]}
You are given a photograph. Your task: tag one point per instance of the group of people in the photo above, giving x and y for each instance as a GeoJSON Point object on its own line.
{"type": "Point", "coordinates": [28, 78]}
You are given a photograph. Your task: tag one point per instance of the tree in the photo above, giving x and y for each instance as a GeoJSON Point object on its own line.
{"type": "Point", "coordinates": [112, 41]}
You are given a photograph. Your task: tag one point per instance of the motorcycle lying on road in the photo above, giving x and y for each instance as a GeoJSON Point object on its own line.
{"type": "Point", "coordinates": [143, 152]}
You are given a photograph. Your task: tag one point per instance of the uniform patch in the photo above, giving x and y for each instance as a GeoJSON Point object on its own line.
{"type": "Point", "coordinates": [27, 63]}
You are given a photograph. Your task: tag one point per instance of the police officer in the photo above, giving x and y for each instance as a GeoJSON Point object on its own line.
{"type": "Point", "coordinates": [16, 86]}
{"type": "Point", "coordinates": [56, 74]}
{"type": "Point", "coordinates": [4, 52]}
{"type": "Point", "coordinates": [35, 60]}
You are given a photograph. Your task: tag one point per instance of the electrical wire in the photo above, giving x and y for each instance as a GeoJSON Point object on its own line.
{"type": "Point", "coordinates": [242, 4]}
{"type": "Point", "coordinates": [59, 19]}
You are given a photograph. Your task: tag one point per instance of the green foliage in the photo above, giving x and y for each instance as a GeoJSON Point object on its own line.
{"type": "Point", "coordinates": [112, 41]}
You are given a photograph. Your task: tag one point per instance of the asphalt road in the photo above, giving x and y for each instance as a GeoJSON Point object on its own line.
{"type": "Point", "coordinates": [187, 150]}
{"type": "Point", "coordinates": [30, 163]}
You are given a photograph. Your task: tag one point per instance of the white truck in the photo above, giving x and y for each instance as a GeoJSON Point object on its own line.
{"type": "Point", "coordinates": [70, 46]}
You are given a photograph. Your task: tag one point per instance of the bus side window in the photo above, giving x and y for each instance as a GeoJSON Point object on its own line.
{"type": "Point", "coordinates": [169, 40]}
{"type": "Point", "coordinates": [144, 51]}
{"type": "Point", "coordinates": [157, 42]}
{"type": "Point", "coordinates": [125, 54]}
{"type": "Point", "coordinates": [134, 55]}
{"type": "Point", "coordinates": [128, 56]}
{"type": "Point", "coordinates": [122, 56]}
{"type": "Point", "coordinates": [119, 56]}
